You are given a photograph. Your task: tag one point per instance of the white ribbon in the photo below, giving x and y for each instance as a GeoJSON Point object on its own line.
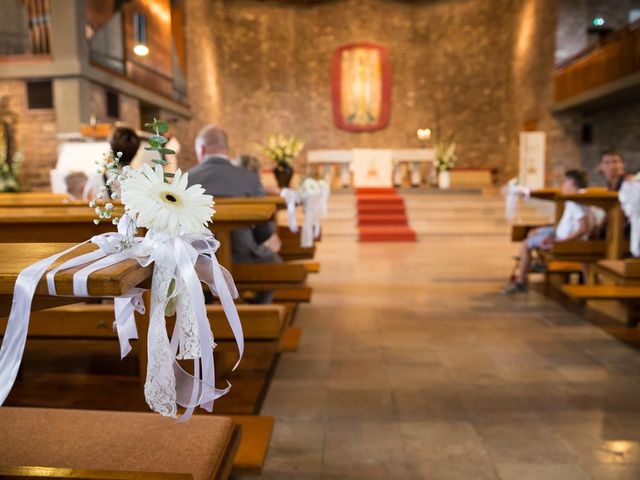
{"type": "Point", "coordinates": [629, 197]}
{"type": "Point", "coordinates": [184, 262]}
{"type": "Point", "coordinates": [512, 192]}
{"type": "Point", "coordinates": [313, 195]}
{"type": "Point", "coordinates": [291, 199]}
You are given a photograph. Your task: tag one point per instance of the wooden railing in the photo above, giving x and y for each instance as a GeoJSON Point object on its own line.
{"type": "Point", "coordinates": [613, 58]}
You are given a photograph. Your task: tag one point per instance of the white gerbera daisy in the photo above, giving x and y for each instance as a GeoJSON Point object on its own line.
{"type": "Point", "coordinates": [166, 207]}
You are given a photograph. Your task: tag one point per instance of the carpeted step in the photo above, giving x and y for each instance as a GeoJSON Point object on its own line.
{"type": "Point", "coordinates": [388, 233]}
{"type": "Point", "coordinates": [380, 200]}
{"type": "Point", "coordinates": [382, 216]}
{"type": "Point", "coordinates": [393, 209]}
{"type": "Point", "coordinates": [382, 219]}
{"type": "Point", "coordinates": [372, 190]}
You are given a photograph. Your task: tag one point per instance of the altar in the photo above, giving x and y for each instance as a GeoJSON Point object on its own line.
{"type": "Point", "coordinates": [371, 167]}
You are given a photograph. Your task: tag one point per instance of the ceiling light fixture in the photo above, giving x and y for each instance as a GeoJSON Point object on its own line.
{"type": "Point", "coordinates": [140, 34]}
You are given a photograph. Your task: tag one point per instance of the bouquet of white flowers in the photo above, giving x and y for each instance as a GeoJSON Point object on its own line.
{"type": "Point", "coordinates": [445, 156]}
{"type": "Point", "coordinates": [282, 149]}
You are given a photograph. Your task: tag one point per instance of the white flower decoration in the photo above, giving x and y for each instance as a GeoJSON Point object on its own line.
{"type": "Point", "coordinates": [310, 187]}
{"type": "Point", "coordinates": [166, 207]}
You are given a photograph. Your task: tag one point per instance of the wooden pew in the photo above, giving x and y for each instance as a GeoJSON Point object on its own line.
{"type": "Point", "coordinates": [75, 224]}
{"type": "Point", "coordinates": [111, 442]}
{"type": "Point", "coordinates": [108, 282]}
{"type": "Point", "coordinates": [33, 199]}
{"type": "Point", "coordinates": [615, 290]}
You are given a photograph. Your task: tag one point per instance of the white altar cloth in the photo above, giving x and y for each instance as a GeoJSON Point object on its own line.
{"type": "Point", "coordinates": [372, 167]}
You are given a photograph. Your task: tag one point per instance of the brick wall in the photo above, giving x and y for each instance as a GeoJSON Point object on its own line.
{"type": "Point", "coordinates": [262, 67]}
{"type": "Point", "coordinates": [35, 135]}
{"type": "Point", "coordinates": [129, 107]}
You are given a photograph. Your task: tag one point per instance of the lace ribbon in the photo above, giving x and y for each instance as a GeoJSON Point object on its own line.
{"type": "Point", "coordinates": [180, 265]}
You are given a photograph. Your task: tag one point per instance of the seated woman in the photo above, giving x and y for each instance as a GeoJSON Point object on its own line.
{"type": "Point", "coordinates": [575, 224]}
{"type": "Point", "coordinates": [126, 142]}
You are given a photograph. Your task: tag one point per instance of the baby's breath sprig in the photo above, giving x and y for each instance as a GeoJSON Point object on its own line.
{"type": "Point", "coordinates": [109, 166]}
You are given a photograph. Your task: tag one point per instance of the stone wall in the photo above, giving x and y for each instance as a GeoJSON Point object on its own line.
{"type": "Point", "coordinates": [614, 126]}
{"type": "Point", "coordinates": [258, 68]}
{"type": "Point", "coordinates": [35, 136]}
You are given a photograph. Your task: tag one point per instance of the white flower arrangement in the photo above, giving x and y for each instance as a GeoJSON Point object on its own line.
{"type": "Point", "coordinates": [282, 149]}
{"type": "Point", "coordinates": [183, 254]}
{"type": "Point", "coordinates": [313, 195]}
{"type": "Point", "coordinates": [446, 157]}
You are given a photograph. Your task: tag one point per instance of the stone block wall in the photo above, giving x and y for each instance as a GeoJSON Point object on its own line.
{"type": "Point", "coordinates": [257, 68]}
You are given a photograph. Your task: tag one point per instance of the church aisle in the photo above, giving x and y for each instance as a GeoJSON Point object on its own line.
{"type": "Point", "coordinates": [413, 366]}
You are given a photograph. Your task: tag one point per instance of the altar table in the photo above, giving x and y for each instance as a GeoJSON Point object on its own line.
{"type": "Point", "coordinates": [372, 166]}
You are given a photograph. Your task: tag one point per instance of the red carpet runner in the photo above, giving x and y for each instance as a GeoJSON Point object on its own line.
{"type": "Point", "coordinates": [382, 217]}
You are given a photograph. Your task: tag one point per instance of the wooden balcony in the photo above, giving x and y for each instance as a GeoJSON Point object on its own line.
{"type": "Point", "coordinates": [606, 71]}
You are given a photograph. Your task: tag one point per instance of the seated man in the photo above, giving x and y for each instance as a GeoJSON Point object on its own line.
{"type": "Point", "coordinates": [612, 168]}
{"type": "Point", "coordinates": [574, 225]}
{"type": "Point", "coordinates": [220, 178]}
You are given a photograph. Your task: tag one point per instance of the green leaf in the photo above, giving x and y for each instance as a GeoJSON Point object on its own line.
{"type": "Point", "coordinates": [154, 144]}
{"type": "Point", "coordinates": [161, 126]}
{"type": "Point", "coordinates": [158, 139]}
{"type": "Point", "coordinates": [160, 161]}
{"type": "Point", "coordinates": [166, 151]}
{"type": "Point", "coordinates": [155, 149]}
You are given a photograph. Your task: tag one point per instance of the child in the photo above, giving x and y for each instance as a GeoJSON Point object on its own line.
{"type": "Point", "coordinates": [574, 225]}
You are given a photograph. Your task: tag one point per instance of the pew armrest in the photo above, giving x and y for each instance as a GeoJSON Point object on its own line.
{"type": "Point", "coordinates": [290, 341]}
{"type": "Point", "coordinates": [256, 436]}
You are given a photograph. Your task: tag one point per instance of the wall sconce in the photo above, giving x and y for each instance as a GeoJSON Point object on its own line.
{"type": "Point", "coordinates": [140, 34]}
{"type": "Point", "coordinates": [424, 134]}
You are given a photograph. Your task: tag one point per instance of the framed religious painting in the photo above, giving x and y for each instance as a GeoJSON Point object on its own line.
{"type": "Point", "coordinates": [361, 87]}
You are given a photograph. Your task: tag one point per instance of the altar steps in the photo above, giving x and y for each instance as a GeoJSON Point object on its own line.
{"type": "Point", "coordinates": [382, 216]}
{"type": "Point", "coordinates": [382, 219]}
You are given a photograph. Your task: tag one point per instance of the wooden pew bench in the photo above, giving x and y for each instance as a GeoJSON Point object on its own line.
{"type": "Point", "coordinates": [201, 449]}
{"type": "Point", "coordinates": [291, 249]}
{"type": "Point", "coordinates": [611, 290]}
{"type": "Point", "coordinates": [260, 323]}
{"type": "Point", "coordinates": [265, 328]}
{"type": "Point", "coordinates": [626, 297]}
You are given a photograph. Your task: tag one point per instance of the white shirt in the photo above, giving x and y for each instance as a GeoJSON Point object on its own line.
{"type": "Point", "coordinates": [570, 221]}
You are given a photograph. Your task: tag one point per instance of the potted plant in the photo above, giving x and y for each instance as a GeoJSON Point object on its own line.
{"type": "Point", "coordinates": [445, 160]}
{"type": "Point", "coordinates": [282, 150]}
{"type": "Point", "coordinates": [9, 171]}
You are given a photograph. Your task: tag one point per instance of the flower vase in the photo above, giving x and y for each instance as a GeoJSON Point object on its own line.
{"type": "Point", "coordinates": [444, 179]}
{"type": "Point", "coordinates": [283, 173]}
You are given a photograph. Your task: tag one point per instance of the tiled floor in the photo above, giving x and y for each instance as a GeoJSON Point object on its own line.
{"type": "Point", "coordinates": [413, 366]}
